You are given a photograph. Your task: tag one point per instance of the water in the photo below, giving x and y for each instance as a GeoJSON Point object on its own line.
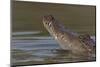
{"type": "Point", "coordinates": [29, 49]}
{"type": "Point", "coordinates": [32, 44]}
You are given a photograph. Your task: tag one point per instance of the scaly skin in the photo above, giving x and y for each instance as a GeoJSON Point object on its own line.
{"type": "Point", "coordinates": [67, 39]}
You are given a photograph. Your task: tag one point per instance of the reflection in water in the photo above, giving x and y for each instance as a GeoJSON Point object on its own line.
{"type": "Point", "coordinates": [25, 33]}
{"type": "Point", "coordinates": [41, 49]}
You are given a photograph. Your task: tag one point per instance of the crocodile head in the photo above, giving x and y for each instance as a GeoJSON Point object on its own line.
{"type": "Point", "coordinates": [48, 22]}
{"type": "Point", "coordinates": [51, 24]}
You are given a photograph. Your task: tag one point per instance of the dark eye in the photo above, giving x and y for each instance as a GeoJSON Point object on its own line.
{"type": "Point", "coordinates": [46, 23]}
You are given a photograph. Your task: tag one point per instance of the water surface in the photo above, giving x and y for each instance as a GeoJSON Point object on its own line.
{"type": "Point", "coordinates": [29, 49]}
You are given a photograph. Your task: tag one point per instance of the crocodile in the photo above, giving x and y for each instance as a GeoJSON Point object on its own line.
{"type": "Point", "coordinates": [67, 39]}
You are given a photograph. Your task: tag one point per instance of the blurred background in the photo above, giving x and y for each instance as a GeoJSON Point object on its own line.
{"type": "Point", "coordinates": [27, 16]}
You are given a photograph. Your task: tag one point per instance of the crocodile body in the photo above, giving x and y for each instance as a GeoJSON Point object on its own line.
{"type": "Point", "coordinates": [68, 40]}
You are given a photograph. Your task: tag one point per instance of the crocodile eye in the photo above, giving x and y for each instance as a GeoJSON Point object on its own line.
{"type": "Point", "coordinates": [46, 23]}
